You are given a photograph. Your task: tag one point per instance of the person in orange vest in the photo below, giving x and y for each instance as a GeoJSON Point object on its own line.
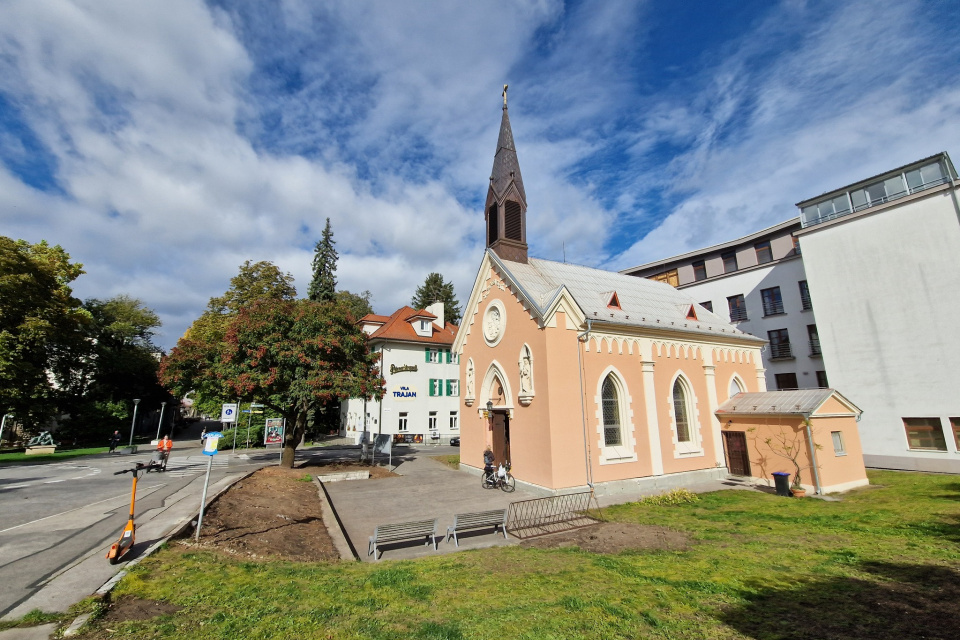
{"type": "Point", "coordinates": [164, 446]}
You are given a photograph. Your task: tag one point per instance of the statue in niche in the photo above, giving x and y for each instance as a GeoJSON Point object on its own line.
{"type": "Point", "coordinates": [470, 378]}
{"type": "Point", "coordinates": [526, 374]}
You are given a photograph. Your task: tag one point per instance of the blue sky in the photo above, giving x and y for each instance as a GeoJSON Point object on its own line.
{"type": "Point", "coordinates": [162, 143]}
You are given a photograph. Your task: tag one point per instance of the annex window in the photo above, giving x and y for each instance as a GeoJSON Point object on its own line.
{"type": "Point", "coordinates": [729, 261]}
{"type": "Point", "coordinates": [764, 254]}
{"type": "Point", "coordinates": [785, 381]}
{"type": "Point", "coordinates": [805, 303]}
{"type": "Point", "coordinates": [955, 423]}
{"type": "Point", "coordinates": [925, 434]}
{"type": "Point", "coordinates": [402, 424]}
{"type": "Point", "coordinates": [699, 270]}
{"type": "Point", "coordinates": [738, 308]}
{"type": "Point", "coordinates": [779, 344]}
{"type": "Point", "coordinates": [670, 277]}
{"type": "Point", "coordinates": [708, 305]}
{"type": "Point", "coordinates": [453, 387]}
{"type": "Point", "coordinates": [929, 175]}
{"type": "Point", "coordinates": [796, 245]}
{"type": "Point", "coordinates": [838, 448]}
{"type": "Point", "coordinates": [513, 221]}
{"type": "Point", "coordinates": [454, 424]}
{"type": "Point", "coordinates": [822, 380]}
{"type": "Point", "coordinates": [814, 340]}
{"type": "Point", "coordinates": [772, 301]}
{"type": "Point", "coordinates": [612, 432]}
{"type": "Point", "coordinates": [432, 420]}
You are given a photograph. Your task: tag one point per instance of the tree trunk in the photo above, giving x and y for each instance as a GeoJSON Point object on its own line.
{"type": "Point", "coordinates": [292, 438]}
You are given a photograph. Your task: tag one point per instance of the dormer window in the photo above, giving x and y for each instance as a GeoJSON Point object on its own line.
{"type": "Point", "coordinates": [614, 302]}
{"type": "Point", "coordinates": [691, 313]}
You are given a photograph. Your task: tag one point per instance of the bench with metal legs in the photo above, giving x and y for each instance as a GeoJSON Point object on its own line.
{"type": "Point", "coordinates": [478, 520]}
{"type": "Point", "coordinates": [402, 531]}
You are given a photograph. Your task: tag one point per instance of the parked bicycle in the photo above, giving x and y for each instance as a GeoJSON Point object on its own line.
{"type": "Point", "coordinates": [498, 477]}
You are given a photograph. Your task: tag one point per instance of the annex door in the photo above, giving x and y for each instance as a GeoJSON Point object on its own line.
{"type": "Point", "coordinates": [738, 460]}
{"type": "Point", "coordinates": [501, 436]}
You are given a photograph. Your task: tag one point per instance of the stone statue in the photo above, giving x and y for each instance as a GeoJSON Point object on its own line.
{"type": "Point", "coordinates": [526, 374]}
{"type": "Point", "coordinates": [470, 379]}
{"type": "Point", "coordinates": [43, 439]}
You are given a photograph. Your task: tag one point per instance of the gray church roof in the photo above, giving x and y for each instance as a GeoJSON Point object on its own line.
{"type": "Point", "coordinates": [643, 302]}
{"type": "Point", "coordinates": [506, 166]}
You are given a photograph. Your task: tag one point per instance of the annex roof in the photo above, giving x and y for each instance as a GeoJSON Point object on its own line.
{"type": "Point", "coordinates": [398, 328]}
{"type": "Point", "coordinates": [643, 303]}
{"type": "Point", "coordinates": [801, 402]}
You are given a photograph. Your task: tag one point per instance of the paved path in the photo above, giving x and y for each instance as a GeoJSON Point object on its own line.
{"type": "Point", "coordinates": [426, 489]}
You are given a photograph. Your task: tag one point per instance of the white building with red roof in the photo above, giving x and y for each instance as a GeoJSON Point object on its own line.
{"type": "Point", "coordinates": [421, 375]}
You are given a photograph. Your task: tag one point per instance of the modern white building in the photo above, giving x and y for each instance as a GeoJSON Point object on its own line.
{"type": "Point", "coordinates": [758, 281]}
{"type": "Point", "coordinates": [421, 375]}
{"type": "Point", "coordinates": [882, 257]}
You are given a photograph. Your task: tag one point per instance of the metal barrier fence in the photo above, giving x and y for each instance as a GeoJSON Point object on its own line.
{"type": "Point", "coordinates": [540, 516]}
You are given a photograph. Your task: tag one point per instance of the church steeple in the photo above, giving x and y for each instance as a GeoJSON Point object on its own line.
{"type": "Point", "coordinates": [506, 206]}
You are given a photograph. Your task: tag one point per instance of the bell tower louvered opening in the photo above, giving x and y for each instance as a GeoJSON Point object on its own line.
{"type": "Point", "coordinates": [513, 221]}
{"type": "Point", "coordinates": [493, 228]}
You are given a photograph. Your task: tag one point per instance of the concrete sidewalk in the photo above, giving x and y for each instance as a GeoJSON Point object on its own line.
{"type": "Point", "coordinates": [427, 489]}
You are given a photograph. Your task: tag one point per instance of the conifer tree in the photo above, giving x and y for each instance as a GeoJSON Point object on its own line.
{"type": "Point", "coordinates": [434, 289]}
{"type": "Point", "coordinates": [323, 287]}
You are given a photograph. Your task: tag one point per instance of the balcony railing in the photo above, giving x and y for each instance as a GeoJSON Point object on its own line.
{"type": "Point", "coordinates": [738, 315]}
{"type": "Point", "coordinates": [781, 350]}
{"type": "Point", "coordinates": [805, 303]}
{"type": "Point", "coordinates": [815, 347]}
{"type": "Point", "coordinates": [772, 308]}
{"type": "Point", "coordinates": [820, 217]}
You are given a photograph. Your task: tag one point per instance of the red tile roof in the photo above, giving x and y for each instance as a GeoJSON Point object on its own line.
{"type": "Point", "coordinates": [398, 327]}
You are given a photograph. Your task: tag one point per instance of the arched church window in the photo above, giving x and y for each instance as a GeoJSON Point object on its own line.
{"type": "Point", "coordinates": [513, 221]}
{"type": "Point", "coordinates": [735, 387]}
{"type": "Point", "coordinates": [610, 397]}
{"type": "Point", "coordinates": [681, 410]}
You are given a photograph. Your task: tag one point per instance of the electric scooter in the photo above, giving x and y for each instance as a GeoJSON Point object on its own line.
{"type": "Point", "coordinates": [125, 543]}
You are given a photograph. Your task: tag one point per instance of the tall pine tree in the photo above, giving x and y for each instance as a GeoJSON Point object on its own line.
{"type": "Point", "coordinates": [323, 287]}
{"type": "Point", "coordinates": [434, 289]}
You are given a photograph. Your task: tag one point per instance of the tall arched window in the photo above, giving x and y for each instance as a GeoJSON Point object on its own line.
{"type": "Point", "coordinates": [612, 433]}
{"type": "Point", "coordinates": [681, 411]}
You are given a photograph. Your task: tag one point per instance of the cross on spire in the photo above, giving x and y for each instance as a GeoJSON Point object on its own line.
{"type": "Point", "coordinates": [505, 95]}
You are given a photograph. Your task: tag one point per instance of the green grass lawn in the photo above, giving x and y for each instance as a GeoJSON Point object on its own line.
{"type": "Point", "coordinates": [882, 563]}
{"type": "Point", "coordinates": [58, 456]}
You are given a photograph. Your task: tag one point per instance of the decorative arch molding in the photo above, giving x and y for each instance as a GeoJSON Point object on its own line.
{"type": "Point", "coordinates": [694, 447]}
{"type": "Point", "coordinates": [736, 382]}
{"type": "Point", "coordinates": [496, 372]}
{"type": "Point", "coordinates": [525, 366]}
{"type": "Point", "coordinates": [627, 451]}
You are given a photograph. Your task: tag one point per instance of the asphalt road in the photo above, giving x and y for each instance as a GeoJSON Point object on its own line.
{"type": "Point", "coordinates": [56, 517]}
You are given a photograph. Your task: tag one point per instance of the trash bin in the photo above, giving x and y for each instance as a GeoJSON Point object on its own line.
{"type": "Point", "coordinates": [782, 481]}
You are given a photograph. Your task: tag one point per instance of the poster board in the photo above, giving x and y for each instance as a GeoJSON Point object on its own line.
{"type": "Point", "coordinates": [273, 431]}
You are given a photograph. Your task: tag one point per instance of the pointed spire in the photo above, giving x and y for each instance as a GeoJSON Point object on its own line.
{"type": "Point", "coordinates": [506, 166]}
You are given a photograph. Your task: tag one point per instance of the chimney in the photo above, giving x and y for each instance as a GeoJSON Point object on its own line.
{"type": "Point", "coordinates": [437, 309]}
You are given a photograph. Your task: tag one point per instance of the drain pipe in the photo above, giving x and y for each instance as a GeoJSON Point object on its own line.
{"type": "Point", "coordinates": [813, 456]}
{"type": "Point", "coordinates": [582, 337]}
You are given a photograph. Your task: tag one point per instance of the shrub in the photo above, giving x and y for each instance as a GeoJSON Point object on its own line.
{"type": "Point", "coordinates": [672, 497]}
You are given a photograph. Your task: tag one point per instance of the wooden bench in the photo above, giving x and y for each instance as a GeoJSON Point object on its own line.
{"type": "Point", "coordinates": [402, 531]}
{"type": "Point", "coordinates": [478, 520]}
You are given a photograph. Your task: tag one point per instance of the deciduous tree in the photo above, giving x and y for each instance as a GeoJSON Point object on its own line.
{"type": "Point", "coordinates": [358, 304]}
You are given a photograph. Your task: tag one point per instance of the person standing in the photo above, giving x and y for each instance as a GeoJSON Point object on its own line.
{"type": "Point", "coordinates": [165, 446]}
{"type": "Point", "coordinates": [114, 441]}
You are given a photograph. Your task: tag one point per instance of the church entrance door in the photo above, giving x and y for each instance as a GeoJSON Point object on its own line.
{"type": "Point", "coordinates": [501, 436]}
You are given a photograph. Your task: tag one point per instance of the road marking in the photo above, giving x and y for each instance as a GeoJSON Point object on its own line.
{"type": "Point", "coordinates": [15, 486]}
{"type": "Point", "coordinates": [122, 495]}
{"type": "Point", "coordinates": [54, 481]}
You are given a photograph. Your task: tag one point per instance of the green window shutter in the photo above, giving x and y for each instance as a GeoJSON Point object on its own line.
{"type": "Point", "coordinates": [426, 350]}
{"type": "Point", "coordinates": [448, 355]}
{"type": "Point", "coordinates": [431, 387]}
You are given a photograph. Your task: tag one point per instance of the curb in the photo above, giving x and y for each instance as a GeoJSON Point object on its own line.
{"type": "Point", "coordinates": [177, 530]}
{"type": "Point", "coordinates": [340, 539]}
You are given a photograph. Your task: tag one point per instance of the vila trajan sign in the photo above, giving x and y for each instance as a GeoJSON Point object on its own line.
{"type": "Point", "coordinates": [407, 367]}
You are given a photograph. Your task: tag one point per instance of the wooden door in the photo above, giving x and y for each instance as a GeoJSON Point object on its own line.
{"type": "Point", "coordinates": [738, 459]}
{"type": "Point", "coordinates": [501, 437]}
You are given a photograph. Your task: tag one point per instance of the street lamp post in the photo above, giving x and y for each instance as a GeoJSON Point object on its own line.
{"type": "Point", "coordinates": [163, 405]}
{"type": "Point", "coordinates": [3, 423]}
{"type": "Point", "coordinates": [133, 424]}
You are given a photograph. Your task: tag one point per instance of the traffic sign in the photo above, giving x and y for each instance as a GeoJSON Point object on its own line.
{"type": "Point", "coordinates": [210, 443]}
{"type": "Point", "coordinates": [228, 413]}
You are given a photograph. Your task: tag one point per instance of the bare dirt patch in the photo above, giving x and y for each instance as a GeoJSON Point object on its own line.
{"type": "Point", "coordinates": [130, 608]}
{"type": "Point", "coordinates": [274, 513]}
{"type": "Point", "coordinates": [614, 537]}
